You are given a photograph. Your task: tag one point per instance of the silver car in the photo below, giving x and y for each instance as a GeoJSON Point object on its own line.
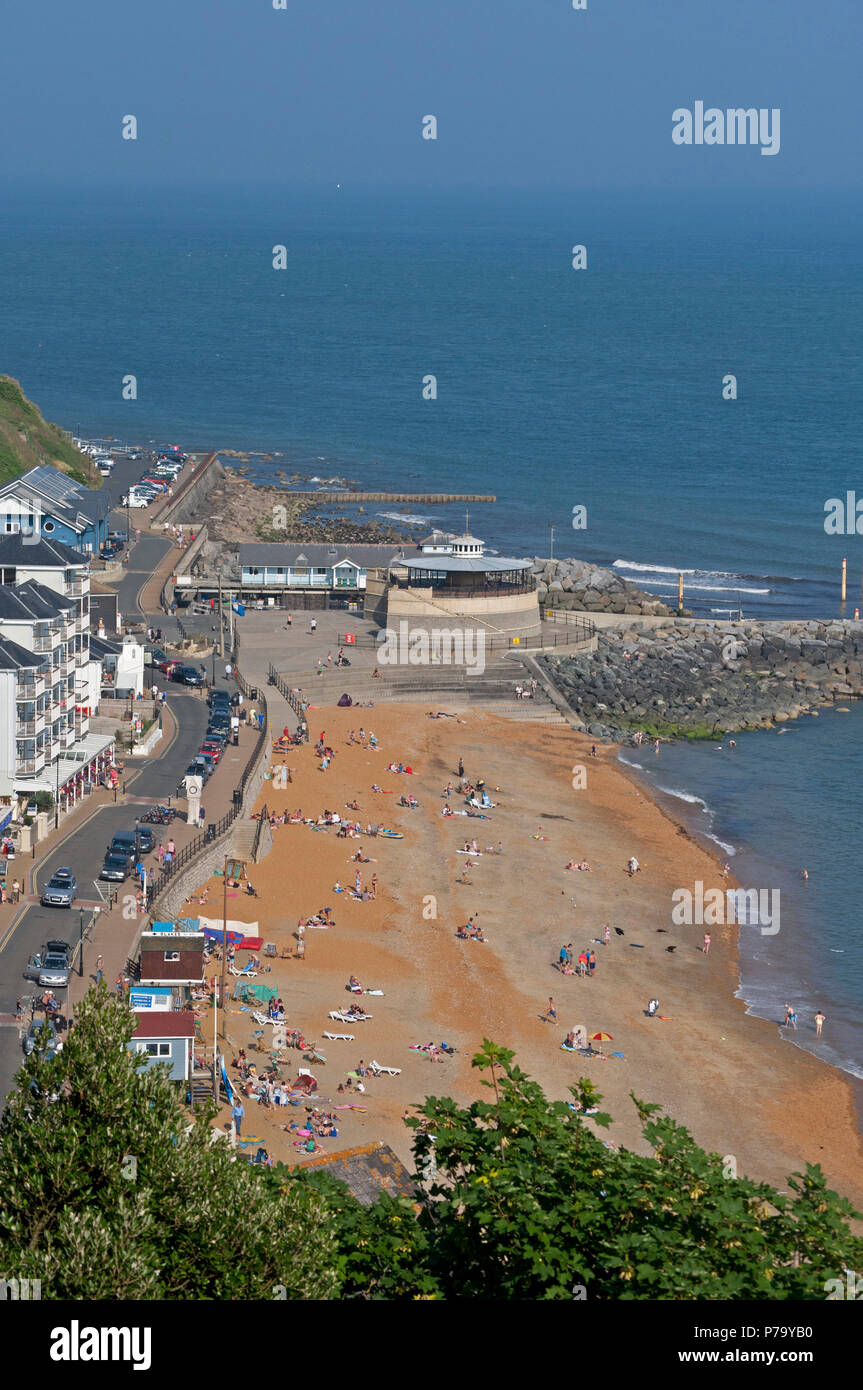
{"type": "Point", "coordinates": [60, 890]}
{"type": "Point", "coordinates": [50, 968]}
{"type": "Point", "coordinates": [39, 1027]}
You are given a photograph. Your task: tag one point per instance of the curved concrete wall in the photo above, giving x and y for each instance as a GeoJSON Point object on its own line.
{"type": "Point", "coordinates": [512, 614]}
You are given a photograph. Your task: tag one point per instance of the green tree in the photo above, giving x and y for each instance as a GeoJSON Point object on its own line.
{"type": "Point", "coordinates": [529, 1202]}
{"type": "Point", "coordinates": [109, 1191]}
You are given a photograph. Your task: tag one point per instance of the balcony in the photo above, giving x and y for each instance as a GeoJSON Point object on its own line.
{"type": "Point", "coordinates": [25, 728]}
{"type": "Point", "coordinates": [28, 689]}
{"type": "Point", "coordinates": [77, 588]}
{"type": "Point", "coordinates": [28, 767]}
{"type": "Point", "coordinates": [44, 643]}
{"type": "Point", "coordinates": [82, 725]}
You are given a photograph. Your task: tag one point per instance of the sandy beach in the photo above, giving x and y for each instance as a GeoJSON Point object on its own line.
{"type": "Point", "coordinates": [731, 1079]}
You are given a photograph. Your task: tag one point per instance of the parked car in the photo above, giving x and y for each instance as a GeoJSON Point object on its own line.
{"type": "Point", "coordinates": [39, 1028]}
{"type": "Point", "coordinates": [48, 968]}
{"type": "Point", "coordinates": [214, 747]}
{"type": "Point", "coordinates": [217, 734]}
{"type": "Point", "coordinates": [134, 454]}
{"type": "Point", "coordinates": [134, 500]}
{"type": "Point", "coordinates": [197, 768]}
{"type": "Point", "coordinates": [60, 890]}
{"type": "Point", "coordinates": [187, 675]}
{"type": "Point", "coordinates": [124, 842]}
{"type": "Point", "coordinates": [219, 697]}
{"type": "Point", "coordinates": [107, 552]}
{"type": "Point", "coordinates": [117, 538]}
{"type": "Point", "coordinates": [115, 868]}
{"type": "Point", "coordinates": [209, 760]}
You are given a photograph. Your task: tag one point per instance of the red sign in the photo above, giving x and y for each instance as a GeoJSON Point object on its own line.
{"type": "Point", "coordinates": [349, 639]}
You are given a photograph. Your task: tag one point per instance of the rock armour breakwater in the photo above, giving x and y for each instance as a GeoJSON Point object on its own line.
{"type": "Point", "coordinates": [687, 679]}
{"type": "Point", "coordinates": [578, 586]}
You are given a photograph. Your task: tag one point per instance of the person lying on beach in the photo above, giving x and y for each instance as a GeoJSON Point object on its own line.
{"type": "Point", "coordinates": [569, 1041]}
{"type": "Point", "coordinates": [351, 805]}
{"type": "Point", "coordinates": [584, 867]}
{"type": "Point", "coordinates": [633, 866]}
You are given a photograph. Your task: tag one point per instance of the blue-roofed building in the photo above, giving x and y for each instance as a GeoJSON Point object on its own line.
{"type": "Point", "coordinates": [49, 503]}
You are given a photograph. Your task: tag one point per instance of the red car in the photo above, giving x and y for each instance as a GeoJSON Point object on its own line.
{"type": "Point", "coordinates": [214, 749]}
{"type": "Point", "coordinates": [166, 665]}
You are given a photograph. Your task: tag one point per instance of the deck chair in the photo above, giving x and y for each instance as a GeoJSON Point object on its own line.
{"type": "Point", "coordinates": [385, 1071]}
{"type": "Point", "coordinates": [339, 1037]}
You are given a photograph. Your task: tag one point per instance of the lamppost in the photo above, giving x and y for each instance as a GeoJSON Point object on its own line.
{"type": "Point", "coordinates": [57, 793]}
{"type": "Point", "coordinates": [81, 942]}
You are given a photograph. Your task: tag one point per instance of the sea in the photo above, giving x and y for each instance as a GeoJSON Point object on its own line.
{"type": "Point", "coordinates": [443, 341]}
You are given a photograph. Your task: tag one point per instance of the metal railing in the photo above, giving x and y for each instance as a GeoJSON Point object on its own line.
{"type": "Point", "coordinates": [577, 629]}
{"type": "Point", "coordinates": [296, 704]}
{"type": "Point", "coordinates": [256, 842]}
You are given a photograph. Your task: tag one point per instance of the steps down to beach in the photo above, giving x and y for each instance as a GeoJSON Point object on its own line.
{"type": "Point", "coordinates": [448, 687]}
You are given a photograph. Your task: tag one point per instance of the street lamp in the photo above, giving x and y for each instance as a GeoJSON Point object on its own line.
{"type": "Point", "coordinates": [81, 942]}
{"type": "Point", "coordinates": [57, 793]}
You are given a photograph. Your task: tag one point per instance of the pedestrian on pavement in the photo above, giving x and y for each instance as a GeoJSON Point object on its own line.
{"type": "Point", "coordinates": [100, 975]}
{"type": "Point", "coordinates": [228, 670]}
{"type": "Point", "coordinates": [202, 818]}
{"type": "Point", "coordinates": [118, 984]}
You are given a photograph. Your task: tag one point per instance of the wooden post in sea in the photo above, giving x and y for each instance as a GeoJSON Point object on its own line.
{"type": "Point", "coordinates": [844, 578]}
{"type": "Point", "coordinates": [680, 593]}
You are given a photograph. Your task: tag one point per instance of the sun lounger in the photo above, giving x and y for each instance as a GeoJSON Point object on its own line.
{"type": "Point", "coordinates": [339, 1037]}
{"type": "Point", "coordinates": [385, 1071]}
{"type": "Point", "coordinates": [259, 1017]}
{"type": "Point", "coordinates": [245, 974]}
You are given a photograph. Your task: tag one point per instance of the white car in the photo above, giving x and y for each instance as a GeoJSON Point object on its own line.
{"type": "Point", "coordinates": [133, 500]}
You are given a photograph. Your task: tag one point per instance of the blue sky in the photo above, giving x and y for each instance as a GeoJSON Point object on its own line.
{"type": "Point", "coordinates": [527, 93]}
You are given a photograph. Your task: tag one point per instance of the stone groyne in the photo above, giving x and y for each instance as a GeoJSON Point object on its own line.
{"type": "Point", "coordinates": [700, 680]}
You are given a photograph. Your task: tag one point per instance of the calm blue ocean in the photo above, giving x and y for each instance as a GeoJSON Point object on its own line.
{"type": "Point", "coordinates": [555, 388]}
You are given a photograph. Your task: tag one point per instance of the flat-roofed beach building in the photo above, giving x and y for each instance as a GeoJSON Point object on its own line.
{"type": "Point", "coordinates": [338, 570]}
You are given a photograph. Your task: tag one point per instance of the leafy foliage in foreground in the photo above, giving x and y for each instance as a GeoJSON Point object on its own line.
{"type": "Point", "coordinates": [524, 1200]}
{"type": "Point", "coordinates": [529, 1203]}
{"type": "Point", "coordinates": [183, 1221]}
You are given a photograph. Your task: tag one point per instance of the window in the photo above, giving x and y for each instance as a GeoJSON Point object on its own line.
{"type": "Point", "coordinates": [171, 956]}
{"type": "Point", "coordinates": [321, 569]}
{"type": "Point", "coordinates": [154, 1049]}
{"type": "Point", "coordinates": [11, 527]}
{"type": "Point", "coordinates": [7, 575]}
{"type": "Point", "coordinates": [47, 527]}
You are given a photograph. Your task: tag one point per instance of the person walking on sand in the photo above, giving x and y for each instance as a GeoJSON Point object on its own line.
{"type": "Point", "coordinates": [461, 767]}
{"type": "Point", "coordinates": [819, 1023]}
{"type": "Point", "coordinates": [606, 933]}
{"type": "Point", "coordinates": [550, 1015]}
{"type": "Point", "coordinates": [238, 1114]}
{"type": "Point", "coordinates": [706, 947]}
{"type": "Point", "coordinates": [788, 1013]}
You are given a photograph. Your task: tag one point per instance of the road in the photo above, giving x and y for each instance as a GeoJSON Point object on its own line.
{"type": "Point", "coordinates": [83, 847]}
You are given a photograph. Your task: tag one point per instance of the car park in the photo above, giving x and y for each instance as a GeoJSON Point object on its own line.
{"type": "Point", "coordinates": [115, 868]}
{"type": "Point", "coordinates": [41, 1028]}
{"type": "Point", "coordinates": [60, 890]}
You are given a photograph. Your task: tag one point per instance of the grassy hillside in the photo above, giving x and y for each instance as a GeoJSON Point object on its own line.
{"type": "Point", "coordinates": [27, 440]}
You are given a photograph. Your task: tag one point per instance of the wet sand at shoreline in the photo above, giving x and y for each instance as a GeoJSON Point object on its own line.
{"type": "Point", "coordinates": [730, 1078]}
